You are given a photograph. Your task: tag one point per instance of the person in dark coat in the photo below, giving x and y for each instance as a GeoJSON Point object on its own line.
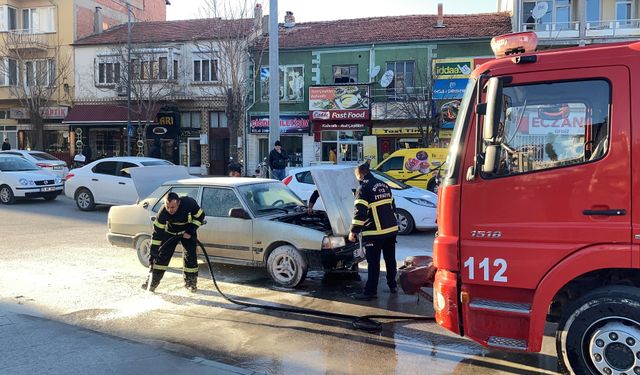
{"type": "Point", "coordinates": [6, 145]}
{"type": "Point", "coordinates": [86, 151]}
{"type": "Point", "coordinates": [278, 161]}
{"type": "Point", "coordinates": [156, 150]}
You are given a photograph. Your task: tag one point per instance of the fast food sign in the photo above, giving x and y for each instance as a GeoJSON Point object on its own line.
{"type": "Point", "coordinates": [348, 102]}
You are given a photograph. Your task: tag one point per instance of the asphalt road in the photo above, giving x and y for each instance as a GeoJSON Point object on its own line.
{"type": "Point", "coordinates": [55, 262]}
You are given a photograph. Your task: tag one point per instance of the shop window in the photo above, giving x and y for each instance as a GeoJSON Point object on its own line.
{"type": "Point", "coordinates": [293, 146]}
{"type": "Point", "coordinates": [347, 144]}
{"type": "Point", "coordinates": [217, 120]}
{"type": "Point", "coordinates": [190, 120]}
{"type": "Point", "coordinates": [345, 73]}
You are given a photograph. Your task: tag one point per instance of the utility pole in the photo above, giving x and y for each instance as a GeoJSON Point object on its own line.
{"type": "Point", "coordinates": [129, 72]}
{"type": "Point", "coordinates": [274, 75]}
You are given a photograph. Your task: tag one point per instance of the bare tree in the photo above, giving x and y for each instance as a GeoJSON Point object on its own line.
{"type": "Point", "coordinates": [35, 69]}
{"type": "Point", "coordinates": [151, 73]}
{"type": "Point", "coordinates": [233, 29]}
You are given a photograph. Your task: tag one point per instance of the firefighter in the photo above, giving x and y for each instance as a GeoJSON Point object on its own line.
{"type": "Point", "coordinates": [180, 216]}
{"type": "Point", "coordinates": [374, 219]}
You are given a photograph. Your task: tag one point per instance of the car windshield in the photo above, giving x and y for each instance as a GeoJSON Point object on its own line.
{"type": "Point", "coordinates": [42, 156]}
{"type": "Point", "coordinates": [266, 198]}
{"type": "Point", "coordinates": [156, 162]}
{"type": "Point", "coordinates": [16, 165]}
{"type": "Point", "coordinates": [392, 182]}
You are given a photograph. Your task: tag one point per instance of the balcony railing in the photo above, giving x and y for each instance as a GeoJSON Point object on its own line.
{"type": "Point", "coordinates": [613, 28]}
{"type": "Point", "coordinates": [27, 39]}
{"type": "Point", "coordinates": [553, 30]}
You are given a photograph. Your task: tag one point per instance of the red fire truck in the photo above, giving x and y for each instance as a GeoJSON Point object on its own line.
{"type": "Point", "coordinates": [538, 219]}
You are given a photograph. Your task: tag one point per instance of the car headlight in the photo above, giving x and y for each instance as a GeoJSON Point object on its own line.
{"type": "Point", "coordinates": [331, 242]}
{"type": "Point", "coordinates": [421, 202]}
{"type": "Point", "coordinates": [58, 180]}
{"type": "Point", "coordinates": [24, 181]}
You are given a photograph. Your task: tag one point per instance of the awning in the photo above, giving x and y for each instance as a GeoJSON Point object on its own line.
{"type": "Point", "coordinates": [104, 114]}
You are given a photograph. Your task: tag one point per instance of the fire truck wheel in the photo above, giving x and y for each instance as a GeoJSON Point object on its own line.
{"type": "Point", "coordinates": [286, 266]}
{"type": "Point", "coordinates": [600, 333]}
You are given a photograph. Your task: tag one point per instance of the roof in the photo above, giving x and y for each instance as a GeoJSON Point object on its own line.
{"type": "Point", "coordinates": [171, 31]}
{"type": "Point", "coordinates": [105, 113]}
{"type": "Point", "coordinates": [392, 29]}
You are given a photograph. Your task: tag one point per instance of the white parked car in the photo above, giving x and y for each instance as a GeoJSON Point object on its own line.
{"type": "Point", "coordinates": [106, 181]}
{"type": "Point", "coordinates": [42, 160]}
{"type": "Point", "coordinates": [415, 207]}
{"type": "Point", "coordinates": [20, 178]}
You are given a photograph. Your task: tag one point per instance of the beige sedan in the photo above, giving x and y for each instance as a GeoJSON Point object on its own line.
{"type": "Point", "coordinates": [249, 221]}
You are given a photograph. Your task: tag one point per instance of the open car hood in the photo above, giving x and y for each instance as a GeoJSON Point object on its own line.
{"type": "Point", "coordinates": [336, 187]}
{"type": "Point", "coordinates": [148, 179]}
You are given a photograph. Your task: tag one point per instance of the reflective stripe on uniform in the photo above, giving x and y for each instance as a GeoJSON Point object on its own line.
{"type": "Point", "coordinates": [376, 218]}
{"type": "Point", "coordinates": [378, 232]}
{"type": "Point", "coordinates": [196, 222]}
{"type": "Point", "coordinates": [157, 224]}
{"type": "Point", "coordinates": [160, 267]}
{"type": "Point", "coordinates": [357, 222]}
{"type": "Point", "coordinates": [156, 242]}
{"type": "Point", "coordinates": [362, 202]}
{"type": "Point", "coordinates": [191, 270]}
{"type": "Point", "coordinates": [180, 222]}
{"type": "Point", "coordinates": [380, 203]}
{"type": "Point", "coordinates": [200, 212]}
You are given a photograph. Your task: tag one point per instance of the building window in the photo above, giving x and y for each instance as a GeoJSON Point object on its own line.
{"type": "Point", "coordinates": [39, 73]}
{"type": "Point", "coordinates": [108, 73]}
{"type": "Point", "coordinates": [38, 20]}
{"type": "Point", "coordinates": [624, 11]}
{"type": "Point", "coordinates": [563, 14]}
{"type": "Point", "coordinates": [291, 83]}
{"type": "Point", "coordinates": [163, 72]}
{"type": "Point", "coordinates": [205, 70]}
{"type": "Point", "coordinates": [347, 144]}
{"type": "Point", "coordinates": [9, 72]}
{"type": "Point", "coordinates": [190, 120]}
{"type": "Point", "coordinates": [175, 69]}
{"type": "Point", "coordinates": [217, 120]}
{"type": "Point", "coordinates": [8, 18]}
{"type": "Point", "coordinates": [345, 73]}
{"type": "Point", "coordinates": [403, 77]}
{"type": "Point", "coordinates": [592, 10]}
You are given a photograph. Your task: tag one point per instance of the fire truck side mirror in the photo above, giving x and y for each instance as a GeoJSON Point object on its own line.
{"type": "Point", "coordinates": [494, 109]}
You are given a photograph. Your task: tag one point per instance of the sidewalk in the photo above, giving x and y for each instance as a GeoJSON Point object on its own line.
{"type": "Point", "coordinates": [31, 345]}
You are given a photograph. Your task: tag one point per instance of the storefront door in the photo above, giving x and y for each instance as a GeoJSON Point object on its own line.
{"type": "Point", "coordinates": [193, 154]}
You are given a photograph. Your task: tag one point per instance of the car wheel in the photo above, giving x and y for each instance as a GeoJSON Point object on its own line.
{"type": "Point", "coordinates": [405, 222]}
{"type": "Point", "coordinates": [50, 197]}
{"type": "Point", "coordinates": [286, 266]}
{"type": "Point", "coordinates": [600, 333]}
{"type": "Point", "coordinates": [6, 195]}
{"type": "Point", "coordinates": [84, 200]}
{"type": "Point", "coordinates": [143, 245]}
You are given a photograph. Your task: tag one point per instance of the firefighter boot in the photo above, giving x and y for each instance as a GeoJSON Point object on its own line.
{"type": "Point", "coordinates": [191, 281]}
{"type": "Point", "coordinates": [155, 277]}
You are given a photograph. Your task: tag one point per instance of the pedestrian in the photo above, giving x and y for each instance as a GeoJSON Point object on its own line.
{"type": "Point", "coordinates": [235, 169]}
{"type": "Point", "coordinates": [156, 150]}
{"type": "Point", "coordinates": [86, 151]}
{"type": "Point", "coordinates": [374, 219]}
{"type": "Point", "coordinates": [333, 157]}
{"type": "Point", "coordinates": [179, 216]}
{"type": "Point", "coordinates": [6, 145]}
{"type": "Point", "coordinates": [278, 161]}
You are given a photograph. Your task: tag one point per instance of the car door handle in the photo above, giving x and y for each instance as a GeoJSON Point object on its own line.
{"type": "Point", "coordinates": [612, 212]}
{"type": "Point", "coordinates": [94, 179]}
{"type": "Point", "coordinates": [122, 183]}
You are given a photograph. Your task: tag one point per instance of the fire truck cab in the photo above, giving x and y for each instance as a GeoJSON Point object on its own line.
{"type": "Point", "coordinates": [538, 220]}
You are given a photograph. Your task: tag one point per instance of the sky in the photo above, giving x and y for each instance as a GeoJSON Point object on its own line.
{"type": "Point", "coordinates": [307, 10]}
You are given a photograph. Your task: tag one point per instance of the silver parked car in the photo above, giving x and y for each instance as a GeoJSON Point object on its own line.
{"type": "Point", "coordinates": [249, 221]}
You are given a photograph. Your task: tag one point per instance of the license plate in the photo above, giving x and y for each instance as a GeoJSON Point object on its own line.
{"type": "Point", "coordinates": [48, 189]}
{"type": "Point", "coordinates": [57, 167]}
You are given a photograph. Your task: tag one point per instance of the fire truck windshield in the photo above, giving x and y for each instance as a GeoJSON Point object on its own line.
{"type": "Point", "coordinates": [459, 131]}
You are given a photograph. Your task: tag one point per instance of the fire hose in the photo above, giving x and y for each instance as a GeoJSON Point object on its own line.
{"type": "Point", "coordinates": [365, 322]}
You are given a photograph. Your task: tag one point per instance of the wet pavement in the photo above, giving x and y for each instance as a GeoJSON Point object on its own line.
{"type": "Point", "coordinates": [57, 264]}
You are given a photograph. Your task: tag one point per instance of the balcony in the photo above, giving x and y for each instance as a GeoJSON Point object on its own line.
{"type": "Point", "coordinates": [27, 40]}
{"type": "Point", "coordinates": [554, 30]}
{"type": "Point", "coordinates": [401, 103]}
{"type": "Point", "coordinates": [613, 28]}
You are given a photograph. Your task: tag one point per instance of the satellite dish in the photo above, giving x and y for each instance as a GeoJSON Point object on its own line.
{"type": "Point", "coordinates": [541, 8]}
{"type": "Point", "coordinates": [386, 79]}
{"type": "Point", "coordinates": [374, 72]}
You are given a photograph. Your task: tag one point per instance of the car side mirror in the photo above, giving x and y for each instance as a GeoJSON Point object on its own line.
{"type": "Point", "coordinates": [239, 213]}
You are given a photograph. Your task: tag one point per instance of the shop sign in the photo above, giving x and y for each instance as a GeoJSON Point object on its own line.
{"type": "Point", "coordinates": [339, 102]}
{"type": "Point", "coordinates": [395, 131]}
{"type": "Point", "coordinates": [452, 68]}
{"type": "Point", "coordinates": [288, 125]}
{"type": "Point", "coordinates": [449, 88]}
{"type": "Point", "coordinates": [340, 126]}
{"type": "Point", "coordinates": [445, 134]}
{"type": "Point", "coordinates": [189, 133]}
{"type": "Point", "coordinates": [166, 127]}
{"type": "Point", "coordinates": [45, 112]}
